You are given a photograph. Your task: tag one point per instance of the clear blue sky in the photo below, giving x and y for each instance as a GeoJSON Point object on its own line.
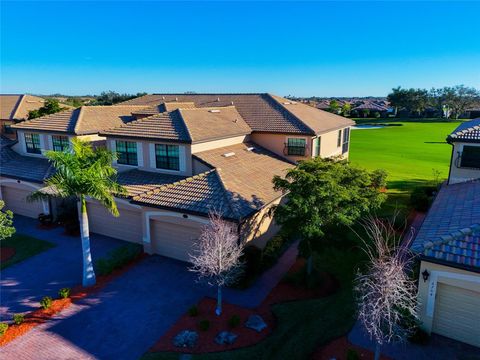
{"type": "Point", "coordinates": [312, 48]}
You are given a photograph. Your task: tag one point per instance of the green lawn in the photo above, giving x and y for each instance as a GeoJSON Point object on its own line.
{"type": "Point", "coordinates": [25, 246]}
{"type": "Point", "coordinates": [408, 152]}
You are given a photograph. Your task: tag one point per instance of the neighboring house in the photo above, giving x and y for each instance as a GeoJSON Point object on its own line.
{"type": "Point", "coordinates": [15, 108]}
{"type": "Point", "coordinates": [465, 159]}
{"type": "Point", "coordinates": [369, 108]}
{"type": "Point", "coordinates": [448, 244]}
{"type": "Point", "coordinates": [182, 156]}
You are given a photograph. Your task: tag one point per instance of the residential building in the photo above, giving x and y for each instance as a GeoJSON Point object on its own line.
{"type": "Point", "coordinates": [182, 156]}
{"type": "Point", "coordinates": [15, 108]}
{"type": "Point", "coordinates": [448, 244]}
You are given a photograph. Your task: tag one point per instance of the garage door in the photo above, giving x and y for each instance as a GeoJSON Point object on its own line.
{"type": "Point", "coordinates": [128, 226]}
{"type": "Point", "coordinates": [174, 240]}
{"type": "Point", "coordinates": [16, 200]}
{"type": "Point", "coordinates": [457, 314]}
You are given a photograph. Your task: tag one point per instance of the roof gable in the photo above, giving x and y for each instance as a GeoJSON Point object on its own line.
{"type": "Point", "coordinates": [469, 131]}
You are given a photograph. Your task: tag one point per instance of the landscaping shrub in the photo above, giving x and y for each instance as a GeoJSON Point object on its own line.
{"type": "Point", "coordinates": [204, 325]}
{"type": "Point", "coordinates": [352, 354]}
{"type": "Point", "coordinates": [193, 311]}
{"type": "Point", "coordinates": [64, 293]}
{"type": "Point", "coordinates": [46, 302]}
{"type": "Point", "coordinates": [234, 321]}
{"type": "Point", "coordinates": [422, 197]}
{"type": "Point", "coordinates": [18, 318]}
{"type": "Point", "coordinates": [3, 328]}
{"type": "Point", "coordinates": [273, 250]}
{"type": "Point", "coordinates": [118, 258]}
{"type": "Point", "coordinates": [252, 260]}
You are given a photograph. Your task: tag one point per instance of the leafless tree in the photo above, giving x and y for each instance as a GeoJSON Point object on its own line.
{"type": "Point", "coordinates": [386, 295]}
{"type": "Point", "coordinates": [216, 256]}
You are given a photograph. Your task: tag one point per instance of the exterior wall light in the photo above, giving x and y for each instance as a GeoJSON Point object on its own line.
{"type": "Point", "coordinates": [425, 275]}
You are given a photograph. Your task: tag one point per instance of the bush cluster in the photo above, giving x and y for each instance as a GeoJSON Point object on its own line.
{"type": "Point", "coordinates": [3, 328]}
{"type": "Point", "coordinates": [118, 258]}
{"type": "Point", "coordinates": [422, 197]}
{"type": "Point", "coordinates": [64, 293]}
{"type": "Point", "coordinates": [193, 311]}
{"type": "Point", "coordinates": [18, 318]}
{"type": "Point", "coordinates": [234, 321]}
{"type": "Point", "coordinates": [46, 302]}
{"type": "Point", "coordinates": [204, 325]}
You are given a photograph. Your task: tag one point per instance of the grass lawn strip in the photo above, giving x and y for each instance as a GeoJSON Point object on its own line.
{"type": "Point", "coordinates": [25, 246]}
{"type": "Point", "coordinates": [37, 317]}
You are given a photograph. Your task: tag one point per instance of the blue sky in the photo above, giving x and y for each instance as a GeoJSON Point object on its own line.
{"type": "Point", "coordinates": [312, 48]}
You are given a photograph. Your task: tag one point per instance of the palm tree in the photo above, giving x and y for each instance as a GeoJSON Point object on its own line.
{"type": "Point", "coordinates": [83, 172]}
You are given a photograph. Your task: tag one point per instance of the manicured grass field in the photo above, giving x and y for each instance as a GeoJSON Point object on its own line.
{"type": "Point", "coordinates": [408, 152]}
{"type": "Point", "coordinates": [25, 247]}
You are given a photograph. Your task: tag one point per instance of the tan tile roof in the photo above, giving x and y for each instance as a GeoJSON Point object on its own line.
{"type": "Point", "coordinates": [165, 126]}
{"type": "Point", "coordinates": [205, 124]}
{"type": "Point", "coordinates": [18, 106]}
{"type": "Point", "coordinates": [84, 120]}
{"type": "Point", "coordinates": [318, 120]}
{"type": "Point", "coordinates": [138, 182]}
{"type": "Point", "coordinates": [262, 112]}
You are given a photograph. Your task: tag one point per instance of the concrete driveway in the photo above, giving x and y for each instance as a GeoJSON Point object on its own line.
{"type": "Point", "coordinates": [122, 321]}
{"type": "Point", "coordinates": [24, 284]}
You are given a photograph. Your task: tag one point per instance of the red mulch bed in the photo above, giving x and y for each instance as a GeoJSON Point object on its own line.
{"type": "Point", "coordinates": [6, 253]}
{"type": "Point", "coordinates": [37, 317]}
{"type": "Point", "coordinates": [338, 349]}
{"type": "Point", "coordinates": [284, 291]}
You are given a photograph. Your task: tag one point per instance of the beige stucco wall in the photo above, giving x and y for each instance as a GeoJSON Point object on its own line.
{"type": "Point", "coordinates": [328, 144]}
{"type": "Point", "coordinates": [209, 145]}
{"type": "Point", "coordinates": [199, 167]}
{"type": "Point", "coordinates": [31, 209]}
{"type": "Point", "coordinates": [457, 174]}
{"type": "Point", "coordinates": [148, 157]}
{"type": "Point", "coordinates": [444, 274]}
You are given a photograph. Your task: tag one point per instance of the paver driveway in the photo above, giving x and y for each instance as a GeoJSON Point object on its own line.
{"type": "Point", "coordinates": [120, 322]}
{"type": "Point", "coordinates": [25, 283]}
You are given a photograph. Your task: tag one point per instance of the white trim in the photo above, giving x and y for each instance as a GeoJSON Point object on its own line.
{"type": "Point", "coordinates": [432, 286]}
{"type": "Point", "coordinates": [23, 144]}
{"type": "Point", "coordinates": [181, 158]}
{"type": "Point", "coordinates": [148, 214]}
{"type": "Point", "coordinates": [117, 200]}
{"type": "Point", "coordinates": [50, 142]}
{"type": "Point", "coordinates": [151, 151]}
{"type": "Point", "coordinates": [140, 154]}
{"type": "Point", "coordinates": [42, 143]}
{"type": "Point", "coordinates": [113, 149]}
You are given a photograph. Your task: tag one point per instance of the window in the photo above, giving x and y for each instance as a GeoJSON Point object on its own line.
{"type": "Point", "coordinates": [167, 157]}
{"type": "Point", "coordinates": [339, 139]}
{"type": "Point", "coordinates": [346, 140]}
{"type": "Point", "coordinates": [126, 153]}
{"type": "Point", "coordinates": [470, 157]}
{"type": "Point", "coordinates": [60, 143]}
{"type": "Point", "coordinates": [32, 143]}
{"type": "Point", "coordinates": [316, 147]}
{"type": "Point", "coordinates": [296, 146]}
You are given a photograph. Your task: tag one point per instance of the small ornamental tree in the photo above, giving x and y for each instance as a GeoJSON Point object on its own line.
{"type": "Point", "coordinates": [6, 222]}
{"type": "Point", "coordinates": [51, 106]}
{"type": "Point", "coordinates": [386, 295]}
{"type": "Point", "coordinates": [324, 193]}
{"type": "Point", "coordinates": [216, 256]}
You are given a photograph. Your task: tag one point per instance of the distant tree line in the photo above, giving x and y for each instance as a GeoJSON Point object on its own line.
{"type": "Point", "coordinates": [448, 102]}
{"type": "Point", "coordinates": [112, 97]}
{"type": "Point", "coordinates": [50, 106]}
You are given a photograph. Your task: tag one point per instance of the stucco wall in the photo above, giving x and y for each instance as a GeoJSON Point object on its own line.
{"type": "Point", "coordinates": [209, 145]}
{"type": "Point", "coordinates": [458, 174]}
{"type": "Point", "coordinates": [445, 274]}
{"type": "Point", "coordinates": [199, 167]}
{"type": "Point", "coordinates": [146, 157]}
{"type": "Point", "coordinates": [45, 141]}
{"type": "Point", "coordinates": [328, 144]}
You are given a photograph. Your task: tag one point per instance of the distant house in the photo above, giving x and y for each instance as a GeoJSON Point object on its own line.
{"type": "Point", "coordinates": [448, 244]}
{"type": "Point", "coordinates": [369, 108]}
{"type": "Point", "coordinates": [15, 108]}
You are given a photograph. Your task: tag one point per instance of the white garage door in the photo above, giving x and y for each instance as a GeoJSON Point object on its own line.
{"type": "Point", "coordinates": [128, 226]}
{"type": "Point", "coordinates": [16, 200]}
{"type": "Point", "coordinates": [457, 314]}
{"type": "Point", "coordinates": [174, 240]}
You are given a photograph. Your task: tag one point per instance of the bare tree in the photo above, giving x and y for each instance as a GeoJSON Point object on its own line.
{"type": "Point", "coordinates": [216, 256]}
{"type": "Point", "coordinates": [386, 295]}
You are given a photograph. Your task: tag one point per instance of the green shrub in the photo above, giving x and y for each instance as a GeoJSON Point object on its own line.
{"type": "Point", "coordinates": [204, 325]}
{"type": "Point", "coordinates": [46, 302]}
{"type": "Point", "coordinates": [422, 197]}
{"type": "Point", "coordinates": [352, 354]}
{"type": "Point", "coordinates": [64, 293]}
{"type": "Point", "coordinates": [118, 258]}
{"type": "Point", "coordinates": [273, 250]}
{"type": "Point", "coordinates": [252, 260]}
{"type": "Point", "coordinates": [3, 328]}
{"type": "Point", "coordinates": [234, 321]}
{"type": "Point", "coordinates": [18, 318]}
{"type": "Point", "coordinates": [193, 311]}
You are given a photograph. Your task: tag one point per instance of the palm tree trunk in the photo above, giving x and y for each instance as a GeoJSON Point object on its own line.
{"type": "Point", "coordinates": [218, 310]}
{"type": "Point", "coordinates": [88, 272]}
{"type": "Point", "coordinates": [377, 351]}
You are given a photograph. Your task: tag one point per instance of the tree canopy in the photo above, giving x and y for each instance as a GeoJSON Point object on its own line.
{"type": "Point", "coordinates": [51, 106]}
{"type": "Point", "coordinates": [112, 97]}
{"type": "Point", "coordinates": [6, 222]}
{"type": "Point", "coordinates": [325, 192]}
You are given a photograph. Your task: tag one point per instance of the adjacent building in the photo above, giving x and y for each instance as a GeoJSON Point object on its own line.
{"type": "Point", "coordinates": [15, 108]}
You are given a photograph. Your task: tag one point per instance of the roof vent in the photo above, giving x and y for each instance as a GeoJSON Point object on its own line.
{"type": "Point", "coordinates": [287, 103]}
{"type": "Point", "coordinates": [250, 148]}
{"type": "Point", "coordinates": [218, 99]}
{"type": "Point", "coordinates": [163, 97]}
{"type": "Point", "coordinates": [214, 111]}
{"type": "Point", "coordinates": [232, 103]}
{"type": "Point", "coordinates": [176, 99]}
{"type": "Point", "coordinates": [229, 154]}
